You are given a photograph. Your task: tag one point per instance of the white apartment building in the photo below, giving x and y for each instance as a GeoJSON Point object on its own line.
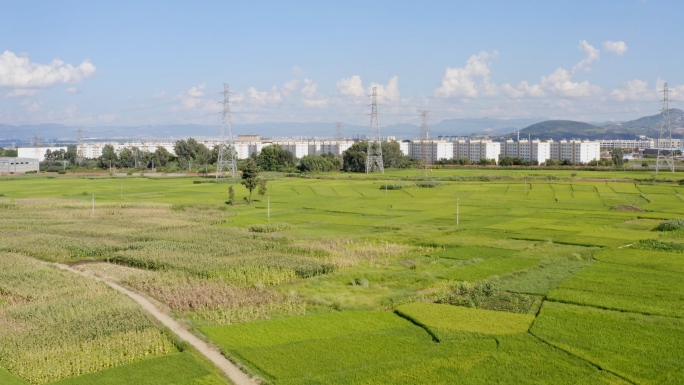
{"type": "Point", "coordinates": [474, 150]}
{"type": "Point", "coordinates": [299, 149]}
{"type": "Point", "coordinates": [626, 143]}
{"type": "Point", "coordinates": [431, 150]}
{"type": "Point", "coordinates": [36, 152]}
{"type": "Point", "coordinates": [576, 151]}
{"type": "Point", "coordinates": [329, 147]}
{"type": "Point", "coordinates": [666, 144]}
{"type": "Point", "coordinates": [94, 150]}
{"type": "Point", "coordinates": [529, 151]}
{"type": "Point", "coordinates": [245, 149]}
{"type": "Point", "coordinates": [640, 143]}
{"type": "Point", "coordinates": [405, 147]}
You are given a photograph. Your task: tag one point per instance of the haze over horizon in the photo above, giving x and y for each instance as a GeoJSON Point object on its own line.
{"type": "Point", "coordinates": [157, 63]}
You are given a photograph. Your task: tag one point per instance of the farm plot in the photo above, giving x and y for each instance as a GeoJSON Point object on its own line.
{"type": "Point", "coordinates": [374, 348]}
{"type": "Point", "coordinates": [177, 369]}
{"type": "Point", "coordinates": [482, 269]}
{"type": "Point", "coordinates": [54, 325]}
{"type": "Point", "coordinates": [8, 378]}
{"type": "Point", "coordinates": [643, 349]}
{"type": "Point", "coordinates": [657, 260]}
{"type": "Point", "coordinates": [625, 288]}
{"type": "Point", "coordinates": [541, 279]}
{"type": "Point", "coordinates": [448, 322]}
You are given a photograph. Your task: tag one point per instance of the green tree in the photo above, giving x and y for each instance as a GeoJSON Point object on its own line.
{"type": "Point", "coordinates": [354, 158]}
{"type": "Point", "coordinates": [161, 157]}
{"type": "Point", "coordinates": [108, 158]}
{"type": "Point", "coordinates": [231, 195]}
{"type": "Point", "coordinates": [126, 158]}
{"type": "Point", "coordinates": [191, 151]}
{"type": "Point", "coordinates": [262, 188]}
{"type": "Point", "coordinates": [316, 163]}
{"type": "Point", "coordinates": [618, 158]}
{"type": "Point", "coordinates": [250, 175]}
{"type": "Point", "coordinates": [275, 158]}
{"type": "Point", "coordinates": [392, 157]}
{"type": "Point", "coordinates": [71, 153]}
{"type": "Point", "coordinates": [8, 152]}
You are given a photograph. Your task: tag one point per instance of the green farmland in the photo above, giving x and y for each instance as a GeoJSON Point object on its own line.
{"type": "Point", "coordinates": [541, 277]}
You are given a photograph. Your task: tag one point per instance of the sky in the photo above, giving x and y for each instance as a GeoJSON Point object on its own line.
{"type": "Point", "coordinates": [93, 63]}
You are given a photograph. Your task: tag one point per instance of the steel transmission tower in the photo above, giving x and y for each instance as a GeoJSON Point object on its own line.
{"type": "Point", "coordinates": [227, 156]}
{"type": "Point", "coordinates": [665, 154]}
{"type": "Point", "coordinates": [425, 146]}
{"type": "Point", "coordinates": [338, 140]}
{"type": "Point", "coordinates": [80, 151]}
{"type": "Point", "coordinates": [374, 157]}
{"type": "Point", "coordinates": [338, 133]}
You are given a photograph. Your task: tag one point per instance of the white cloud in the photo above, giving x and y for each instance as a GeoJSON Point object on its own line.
{"type": "Point", "coordinates": [159, 95]}
{"type": "Point", "coordinates": [30, 106]}
{"type": "Point", "coordinates": [196, 92]}
{"type": "Point", "coordinates": [73, 90]}
{"type": "Point", "coordinates": [26, 77]}
{"type": "Point", "coordinates": [193, 99]}
{"type": "Point", "coordinates": [523, 89]}
{"type": "Point", "coordinates": [22, 92]}
{"type": "Point", "coordinates": [633, 90]}
{"type": "Point", "coordinates": [560, 82]}
{"type": "Point", "coordinates": [311, 96]}
{"type": "Point", "coordinates": [352, 86]}
{"type": "Point", "coordinates": [463, 81]}
{"type": "Point", "coordinates": [389, 92]}
{"type": "Point", "coordinates": [290, 86]}
{"type": "Point", "coordinates": [592, 54]}
{"type": "Point", "coordinates": [617, 47]}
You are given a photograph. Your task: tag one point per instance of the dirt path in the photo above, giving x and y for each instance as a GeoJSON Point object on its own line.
{"type": "Point", "coordinates": [213, 355]}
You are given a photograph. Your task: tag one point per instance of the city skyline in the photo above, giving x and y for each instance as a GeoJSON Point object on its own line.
{"type": "Point", "coordinates": [77, 63]}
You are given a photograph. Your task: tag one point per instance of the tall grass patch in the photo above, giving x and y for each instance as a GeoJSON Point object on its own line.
{"type": "Point", "coordinates": [58, 325]}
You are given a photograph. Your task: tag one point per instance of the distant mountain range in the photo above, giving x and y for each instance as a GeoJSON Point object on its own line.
{"type": "Point", "coordinates": [536, 128]}
{"type": "Point", "coordinates": [62, 133]}
{"type": "Point", "coordinates": [569, 129]}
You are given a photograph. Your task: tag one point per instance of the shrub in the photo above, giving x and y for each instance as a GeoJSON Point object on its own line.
{"type": "Point", "coordinates": [62, 172]}
{"type": "Point", "coordinates": [269, 227]}
{"type": "Point", "coordinates": [654, 244]}
{"type": "Point", "coordinates": [396, 186]}
{"type": "Point", "coordinates": [672, 224]}
{"type": "Point", "coordinates": [427, 184]}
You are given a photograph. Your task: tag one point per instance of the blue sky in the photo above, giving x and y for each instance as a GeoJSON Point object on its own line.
{"type": "Point", "coordinates": [161, 62]}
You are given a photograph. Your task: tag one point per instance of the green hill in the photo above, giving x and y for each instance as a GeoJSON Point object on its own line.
{"type": "Point", "coordinates": [562, 129]}
{"type": "Point", "coordinates": [570, 129]}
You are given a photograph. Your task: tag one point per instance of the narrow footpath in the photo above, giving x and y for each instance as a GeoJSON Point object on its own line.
{"type": "Point", "coordinates": [212, 354]}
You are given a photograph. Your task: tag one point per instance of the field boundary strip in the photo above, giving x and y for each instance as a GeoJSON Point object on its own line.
{"type": "Point", "coordinates": [212, 354]}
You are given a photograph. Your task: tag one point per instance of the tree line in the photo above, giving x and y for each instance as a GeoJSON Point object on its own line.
{"type": "Point", "coordinates": [192, 156]}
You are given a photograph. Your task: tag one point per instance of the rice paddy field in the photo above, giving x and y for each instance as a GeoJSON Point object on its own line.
{"type": "Point", "coordinates": [468, 276]}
